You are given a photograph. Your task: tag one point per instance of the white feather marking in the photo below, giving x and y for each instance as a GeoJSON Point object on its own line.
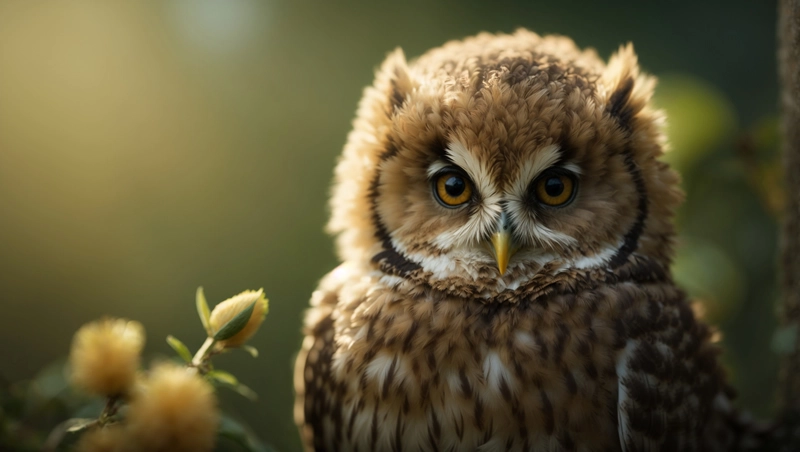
{"type": "Point", "coordinates": [436, 167]}
{"type": "Point", "coordinates": [573, 168]}
{"type": "Point", "coordinates": [461, 260]}
{"type": "Point", "coordinates": [390, 280]}
{"type": "Point", "coordinates": [378, 369]}
{"type": "Point", "coordinates": [454, 382]}
{"type": "Point", "coordinates": [475, 168]}
{"type": "Point", "coordinates": [597, 260]}
{"type": "Point", "coordinates": [542, 159]}
{"type": "Point", "coordinates": [342, 273]}
{"type": "Point", "coordinates": [622, 396]}
{"type": "Point", "coordinates": [345, 342]}
{"type": "Point", "coordinates": [481, 222]}
{"type": "Point", "coordinates": [451, 412]}
{"type": "Point", "coordinates": [525, 340]}
{"type": "Point", "coordinates": [550, 237]}
{"type": "Point", "coordinates": [362, 425]}
{"type": "Point", "coordinates": [479, 225]}
{"type": "Point", "coordinates": [494, 370]}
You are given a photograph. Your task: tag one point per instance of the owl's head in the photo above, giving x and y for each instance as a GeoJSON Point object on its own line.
{"type": "Point", "coordinates": [503, 163]}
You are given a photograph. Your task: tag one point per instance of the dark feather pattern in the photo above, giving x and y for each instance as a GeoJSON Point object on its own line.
{"type": "Point", "coordinates": [418, 342]}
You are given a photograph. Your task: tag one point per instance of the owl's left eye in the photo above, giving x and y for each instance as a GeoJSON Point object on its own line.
{"type": "Point", "coordinates": [555, 188]}
{"type": "Point", "coordinates": [452, 189]}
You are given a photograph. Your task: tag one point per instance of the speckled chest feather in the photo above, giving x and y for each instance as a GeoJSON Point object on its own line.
{"type": "Point", "coordinates": [394, 369]}
{"type": "Point", "coordinates": [505, 227]}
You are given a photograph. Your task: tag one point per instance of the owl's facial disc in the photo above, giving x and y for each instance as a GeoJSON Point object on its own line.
{"type": "Point", "coordinates": [500, 164]}
{"type": "Point", "coordinates": [497, 222]}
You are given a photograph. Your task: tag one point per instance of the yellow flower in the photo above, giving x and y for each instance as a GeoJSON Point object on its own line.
{"type": "Point", "coordinates": [102, 439]}
{"type": "Point", "coordinates": [228, 309]}
{"type": "Point", "coordinates": [174, 409]}
{"type": "Point", "coordinates": [105, 356]}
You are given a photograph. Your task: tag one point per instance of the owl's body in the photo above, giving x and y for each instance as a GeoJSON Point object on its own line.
{"type": "Point", "coordinates": [506, 232]}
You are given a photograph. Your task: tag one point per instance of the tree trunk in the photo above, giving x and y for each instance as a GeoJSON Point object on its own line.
{"type": "Point", "coordinates": [789, 72]}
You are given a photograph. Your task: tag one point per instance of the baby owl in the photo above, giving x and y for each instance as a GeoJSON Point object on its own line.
{"type": "Point", "coordinates": [505, 229]}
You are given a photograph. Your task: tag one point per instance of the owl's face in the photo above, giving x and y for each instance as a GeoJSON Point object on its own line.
{"type": "Point", "coordinates": [504, 161]}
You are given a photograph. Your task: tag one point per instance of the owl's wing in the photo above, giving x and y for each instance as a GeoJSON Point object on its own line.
{"type": "Point", "coordinates": [670, 385]}
{"type": "Point", "coordinates": [641, 403]}
{"type": "Point", "coordinates": [312, 382]}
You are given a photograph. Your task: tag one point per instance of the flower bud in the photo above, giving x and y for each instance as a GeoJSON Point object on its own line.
{"type": "Point", "coordinates": [174, 409]}
{"type": "Point", "coordinates": [230, 308]}
{"type": "Point", "coordinates": [105, 356]}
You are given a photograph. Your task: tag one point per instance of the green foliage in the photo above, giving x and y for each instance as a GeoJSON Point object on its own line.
{"type": "Point", "coordinates": [202, 309]}
{"type": "Point", "coordinates": [699, 118]}
{"type": "Point", "coordinates": [727, 227]}
{"type": "Point", "coordinates": [180, 348]}
{"type": "Point", "coordinates": [250, 350]}
{"type": "Point", "coordinates": [29, 409]}
{"type": "Point", "coordinates": [241, 436]}
{"type": "Point", "coordinates": [711, 276]}
{"type": "Point", "coordinates": [48, 403]}
{"type": "Point", "coordinates": [229, 380]}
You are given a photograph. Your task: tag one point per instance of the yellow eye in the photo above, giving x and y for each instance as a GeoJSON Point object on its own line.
{"type": "Point", "coordinates": [452, 189]}
{"type": "Point", "coordinates": [555, 189]}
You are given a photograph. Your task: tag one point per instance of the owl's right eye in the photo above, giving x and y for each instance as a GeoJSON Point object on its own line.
{"type": "Point", "coordinates": [452, 189]}
{"type": "Point", "coordinates": [555, 188]}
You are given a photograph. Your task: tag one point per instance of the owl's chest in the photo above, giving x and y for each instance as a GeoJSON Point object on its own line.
{"type": "Point", "coordinates": [452, 374]}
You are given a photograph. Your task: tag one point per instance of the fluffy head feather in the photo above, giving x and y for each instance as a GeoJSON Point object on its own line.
{"type": "Point", "coordinates": [502, 109]}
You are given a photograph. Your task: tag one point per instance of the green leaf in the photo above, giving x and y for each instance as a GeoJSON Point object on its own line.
{"type": "Point", "coordinates": [52, 381]}
{"type": "Point", "coordinates": [246, 392]}
{"type": "Point", "coordinates": [711, 277]}
{"type": "Point", "coordinates": [700, 116]}
{"type": "Point", "coordinates": [78, 424]}
{"type": "Point", "coordinates": [251, 350]}
{"type": "Point", "coordinates": [242, 435]}
{"type": "Point", "coordinates": [236, 324]}
{"type": "Point", "coordinates": [179, 348]}
{"type": "Point", "coordinates": [56, 436]}
{"type": "Point", "coordinates": [202, 309]}
{"type": "Point", "coordinates": [223, 377]}
{"type": "Point", "coordinates": [229, 380]}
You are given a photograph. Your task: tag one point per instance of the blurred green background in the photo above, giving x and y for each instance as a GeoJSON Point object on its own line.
{"type": "Point", "coordinates": [147, 148]}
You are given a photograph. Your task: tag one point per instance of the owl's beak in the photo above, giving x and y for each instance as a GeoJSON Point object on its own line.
{"type": "Point", "coordinates": [501, 245]}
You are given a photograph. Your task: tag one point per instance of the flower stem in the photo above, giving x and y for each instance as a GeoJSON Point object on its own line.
{"type": "Point", "coordinates": [202, 355]}
{"type": "Point", "coordinates": [109, 410]}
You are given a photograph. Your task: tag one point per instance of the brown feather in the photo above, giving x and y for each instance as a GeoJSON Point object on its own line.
{"type": "Point", "coordinates": [417, 342]}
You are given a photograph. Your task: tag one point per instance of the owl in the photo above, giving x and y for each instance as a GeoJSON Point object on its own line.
{"type": "Point", "coordinates": [505, 227]}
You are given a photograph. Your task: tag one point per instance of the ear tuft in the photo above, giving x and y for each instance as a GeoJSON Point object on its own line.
{"type": "Point", "coordinates": [393, 78]}
{"type": "Point", "coordinates": [618, 102]}
{"type": "Point", "coordinates": [627, 90]}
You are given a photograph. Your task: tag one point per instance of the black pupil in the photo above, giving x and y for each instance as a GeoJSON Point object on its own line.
{"type": "Point", "coordinates": [554, 187]}
{"type": "Point", "coordinates": [455, 186]}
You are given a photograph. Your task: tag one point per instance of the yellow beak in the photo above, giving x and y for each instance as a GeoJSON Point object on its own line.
{"type": "Point", "coordinates": [501, 244]}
